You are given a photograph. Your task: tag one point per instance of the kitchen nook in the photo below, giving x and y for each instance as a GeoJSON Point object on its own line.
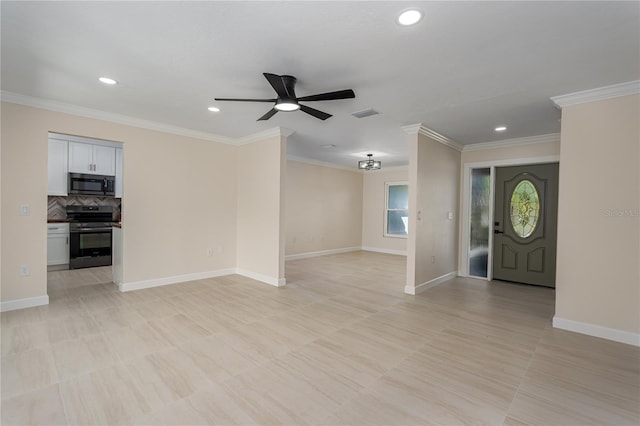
{"type": "Point", "coordinates": [84, 200]}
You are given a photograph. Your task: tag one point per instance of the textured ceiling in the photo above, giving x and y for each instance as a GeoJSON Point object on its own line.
{"type": "Point", "coordinates": [464, 69]}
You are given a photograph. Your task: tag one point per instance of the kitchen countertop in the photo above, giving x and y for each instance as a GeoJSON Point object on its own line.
{"type": "Point", "coordinates": [57, 220]}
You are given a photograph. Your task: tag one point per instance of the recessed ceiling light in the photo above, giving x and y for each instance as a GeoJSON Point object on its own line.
{"type": "Point", "coordinates": [410, 17]}
{"type": "Point", "coordinates": [214, 109]}
{"type": "Point", "coordinates": [500, 129]}
{"type": "Point", "coordinates": [107, 80]}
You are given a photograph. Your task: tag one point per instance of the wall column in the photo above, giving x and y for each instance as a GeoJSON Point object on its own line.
{"type": "Point", "coordinates": [261, 180]}
{"type": "Point", "coordinates": [434, 186]}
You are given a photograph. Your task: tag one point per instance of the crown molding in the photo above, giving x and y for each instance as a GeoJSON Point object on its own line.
{"type": "Point", "coordinates": [509, 143]}
{"type": "Point", "coordinates": [414, 129]}
{"type": "Point", "coordinates": [601, 93]}
{"type": "Point", "coordinates": [265, 134]}
{"type": "Point", "coordinates": [56, 106]}
{"type": "Point", "coordinates": [66, 108]}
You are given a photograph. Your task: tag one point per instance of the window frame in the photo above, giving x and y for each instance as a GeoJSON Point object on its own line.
{"type": "Point", "coordinates": [387, 209]}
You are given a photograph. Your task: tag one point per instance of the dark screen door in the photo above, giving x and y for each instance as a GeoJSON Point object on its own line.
{"type": "Point", "coordinates": [525, 224]}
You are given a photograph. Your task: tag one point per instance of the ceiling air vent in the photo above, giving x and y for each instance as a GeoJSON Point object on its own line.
{"type": "Point", "coordinates": [365, 113]}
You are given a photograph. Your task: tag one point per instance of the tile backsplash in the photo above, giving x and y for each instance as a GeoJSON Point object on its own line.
{"type": "Point", "coordinates": [57, 205]}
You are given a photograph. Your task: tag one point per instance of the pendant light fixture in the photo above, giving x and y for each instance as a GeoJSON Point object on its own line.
{"type": "Point", "coordinates": [369, 164]}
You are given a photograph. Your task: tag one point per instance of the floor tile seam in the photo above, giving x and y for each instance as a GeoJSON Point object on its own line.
{"type": "Point", "coordinates": [529, 376]}
{"type": "Point", "coordinates": [582, 391]}
{"type": "Point", "coordinates": [120, 362]}
{"type": "Point", "coordinates": [124, 365]}
{"type": "Point", "coordinates": [44, 346]}
{"type": "Point", "coordinates": [26, 394]}
{"type": "Point", "coordinates": [65, 409]}
{"type": "Point", "coordinates": [586, 364]}
{"type": "Point", "coordinates": [524, 375]}
{"type": "Point", "coordinates": [462, 395]}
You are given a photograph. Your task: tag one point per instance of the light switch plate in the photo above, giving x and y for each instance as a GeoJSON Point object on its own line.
{"type": "Point", "coordinates": [25, 209]}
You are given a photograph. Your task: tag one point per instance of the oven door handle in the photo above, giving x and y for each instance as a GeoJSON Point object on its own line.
{"type": "Point", "coordinates": [90, 230]}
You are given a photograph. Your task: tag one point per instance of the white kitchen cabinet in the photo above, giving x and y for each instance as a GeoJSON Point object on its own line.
{"type": "Point", "coordinates": [92, 159]}
{"type": "Point", "coordinates": [118, 190]}
{"type": "Point", "coordinates": [58, 167]}
{"type": "Point", "coordinates": [57, 243]}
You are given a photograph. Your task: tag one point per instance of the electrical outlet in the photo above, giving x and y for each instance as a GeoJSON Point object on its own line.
{"type": "Point", "coordinates": [25, 270]}
{"type": "Point", "coordinates": [25, 209]}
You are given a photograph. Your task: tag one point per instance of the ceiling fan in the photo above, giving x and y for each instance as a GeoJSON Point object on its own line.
{"type": "Point", "coordinates": [284, 86]}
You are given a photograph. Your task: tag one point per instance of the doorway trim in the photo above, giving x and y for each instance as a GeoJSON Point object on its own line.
{"type": "Point", "coordinates": [465, 224]}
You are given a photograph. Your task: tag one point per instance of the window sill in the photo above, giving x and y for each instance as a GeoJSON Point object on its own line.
{"type": "Point", "coordinates": [404, 237]}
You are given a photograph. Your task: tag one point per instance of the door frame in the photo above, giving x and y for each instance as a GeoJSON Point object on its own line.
{"type": "Point", "coordinates": [465, 220]}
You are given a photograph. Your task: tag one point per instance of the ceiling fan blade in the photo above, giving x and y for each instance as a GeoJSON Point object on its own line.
{"type": "Point", "coordinates": [312, 111]}
{"type": "Point", "coordinates": [245, 100]}
{"type": "Point", "coordinates": [330, 96]}
{"type": "Point", "coordinates": [279, 85]}
{"type": "Point", "coordinates": [268, 115]}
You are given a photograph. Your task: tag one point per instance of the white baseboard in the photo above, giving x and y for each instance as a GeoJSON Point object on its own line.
{"type": "Point", "coordinates": [320, 253]}
{"type": "Point", "coordinates": [157, 282]}
{"type": "Point", "coordinates": [386, 251]}
{"type": "Point", "coordinates": [431, 283]}
{"type": "Point", "coordinates": [29, 302]}
{"type": "Point", "coordinates": [278, 282]}
{"type": "Point", "coordinates": [597, 331]}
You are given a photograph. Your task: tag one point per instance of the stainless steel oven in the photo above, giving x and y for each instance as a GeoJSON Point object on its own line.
{"type": "Point", "coordinates": [90, 231]}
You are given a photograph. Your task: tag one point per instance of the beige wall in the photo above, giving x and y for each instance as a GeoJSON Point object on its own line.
{"type": "Point", "coordinates": [324, 208]}
{"type": "Point", "coordinates": [260, 215]}
{"type": "Point", "coordinates": [373, 208]}
{"type": "Point", "coordinates": [532, 150]}
{"type": "Point", "coordinates": [434, 183]}
{"type": "Point", "coordinates": [180, 199]}
{"type": "Point", "coordinates": [598, 280]}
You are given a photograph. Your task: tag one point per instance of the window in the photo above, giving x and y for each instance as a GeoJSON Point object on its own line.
{"type": "Point", "coordinates": [524, 208]}
{"type": "Point", "coordinates": [479, 222]}
{"type": "Point", "coordinates": [396, 217]}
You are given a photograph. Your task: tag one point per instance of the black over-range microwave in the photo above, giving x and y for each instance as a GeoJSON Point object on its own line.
{"type": "Point", "coordinates": [92, 184]}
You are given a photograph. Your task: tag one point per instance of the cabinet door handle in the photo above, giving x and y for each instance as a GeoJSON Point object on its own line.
{"type": "Point", "coordinates": [67, 240]}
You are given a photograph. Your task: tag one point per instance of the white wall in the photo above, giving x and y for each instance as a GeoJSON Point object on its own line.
{"type": "Point", "coordinates": [598, 275]}
{"type": "Point", "coordinates": [373, 208]}
{"type": "Point", "coordinates": [324, 208]}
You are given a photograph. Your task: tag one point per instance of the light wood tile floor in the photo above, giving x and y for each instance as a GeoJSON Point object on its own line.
{"type": "Point", "coordinates": [340, 344]}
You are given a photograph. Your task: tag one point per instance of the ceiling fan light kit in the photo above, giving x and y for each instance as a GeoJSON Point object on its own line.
{"type": "Point", "coordinates": [287, 105]}
{"type": "Point", "coordinates": [284, 85]}
{"type": "Point", "coordinates": [369, 164]}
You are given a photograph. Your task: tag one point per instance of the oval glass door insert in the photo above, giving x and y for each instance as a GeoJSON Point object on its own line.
{"type": "Point", "coordinates": [524, 208]}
